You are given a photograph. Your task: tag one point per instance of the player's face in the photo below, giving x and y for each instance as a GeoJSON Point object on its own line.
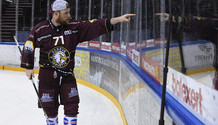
{"type": "Point", "coordinates": [64, 16]}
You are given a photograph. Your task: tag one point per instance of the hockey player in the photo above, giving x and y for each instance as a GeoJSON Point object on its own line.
{"type": "Point", "coordinates": [57, 39]}
{"type": "Point", "coordinates": [204, 28]}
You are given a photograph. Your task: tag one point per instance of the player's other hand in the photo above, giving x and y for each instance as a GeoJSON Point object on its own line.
{"type": "Point", "coordinates": [122, 19]}
{"type": "Point", "coordinates": [165, 16]}
{"type": "Point", "coordinates": [30, 74]}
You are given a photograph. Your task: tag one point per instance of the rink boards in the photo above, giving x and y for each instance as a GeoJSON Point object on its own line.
{"type": "Point", "coordinates": [136, 91]}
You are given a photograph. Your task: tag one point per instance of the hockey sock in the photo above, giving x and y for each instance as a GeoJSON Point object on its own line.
{"type": "Point", "coordinates": [70, 120]}
{"type": "Point", "coordinates": [52, 121]}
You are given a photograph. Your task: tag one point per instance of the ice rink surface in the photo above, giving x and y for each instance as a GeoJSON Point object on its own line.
{"type": "Point", "coordinates": [18, 104]}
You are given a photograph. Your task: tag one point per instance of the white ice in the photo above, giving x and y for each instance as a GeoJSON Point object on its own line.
{"type": "Point", "coordinates": [18, 104]}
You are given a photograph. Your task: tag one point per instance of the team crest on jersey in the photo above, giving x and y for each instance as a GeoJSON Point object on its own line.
{"type": "Point", "coordinates": [59, 57]}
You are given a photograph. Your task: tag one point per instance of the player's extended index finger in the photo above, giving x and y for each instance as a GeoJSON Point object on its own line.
{"type": "Point", "coordinates": [130, 15]}
{"type": "Point", "coordinates": [159, 14]}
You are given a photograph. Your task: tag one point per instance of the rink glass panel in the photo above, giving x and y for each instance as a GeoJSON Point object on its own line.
{"type": "Point", "coordinates": [145, 34]}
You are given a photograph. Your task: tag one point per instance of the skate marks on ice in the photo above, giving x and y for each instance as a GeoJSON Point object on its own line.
{"type": "Point", "coordinates": [19, 104]}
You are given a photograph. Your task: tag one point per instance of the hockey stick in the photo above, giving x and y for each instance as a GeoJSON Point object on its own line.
{"type": "Point", "coordinates": [15, 39]}
{"type": "Point", "coordinates": [34, 85]}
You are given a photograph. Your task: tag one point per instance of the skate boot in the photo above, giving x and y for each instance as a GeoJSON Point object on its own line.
{"type": "Point", "coordinates": [52, 121]}
{"type": "Point", "coordinates": [70, 120]}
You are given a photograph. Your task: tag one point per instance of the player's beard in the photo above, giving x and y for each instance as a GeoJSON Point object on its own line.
{"type": "Point", "coordinates": [62, 21]}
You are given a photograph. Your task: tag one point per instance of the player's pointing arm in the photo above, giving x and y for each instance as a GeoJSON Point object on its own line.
{"type": "Point", "coordinates": [124, 18]}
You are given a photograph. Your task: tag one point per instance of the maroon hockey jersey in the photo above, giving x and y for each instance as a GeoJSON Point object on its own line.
{"type": "Point", "coordinates": [58, 44]}
{"type": "Point", "coordinates": [203, 28]}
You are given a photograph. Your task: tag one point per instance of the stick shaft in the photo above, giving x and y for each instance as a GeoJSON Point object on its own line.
{"type": "Point", "coordinates": [17, 44]}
